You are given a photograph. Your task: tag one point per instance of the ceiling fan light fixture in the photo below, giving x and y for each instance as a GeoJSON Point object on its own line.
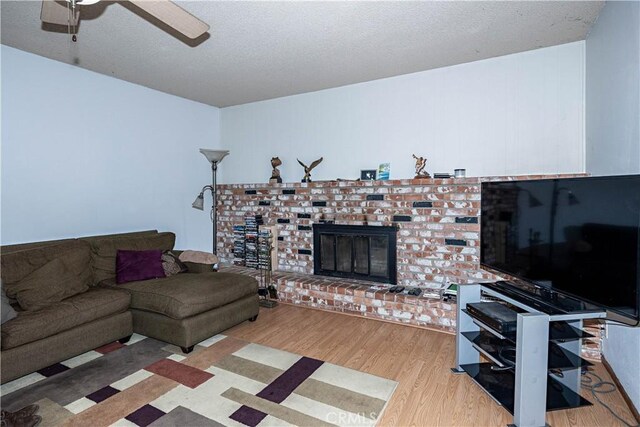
{"type": "Point", "coordinates": [167, 11]}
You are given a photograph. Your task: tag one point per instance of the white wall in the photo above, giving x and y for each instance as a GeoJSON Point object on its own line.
{"type": "Point", "coordinates": [84, 153]}
{"type": "Point", "coordinates": [613, 90]}
{"type": "Point", "coordinates": [613, 141]}
{"type": "Point", "coordinates": [516, 114]}
{"type": "Point", "coordinates": [621, 349]}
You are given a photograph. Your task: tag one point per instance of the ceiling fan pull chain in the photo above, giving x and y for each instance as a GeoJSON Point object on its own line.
{"type": "Point", "coordinates": [68, 18]}
{"type": "Point", "coordinates": [74, 38]}
{"type": "Point", "coordinates": [71, 7]}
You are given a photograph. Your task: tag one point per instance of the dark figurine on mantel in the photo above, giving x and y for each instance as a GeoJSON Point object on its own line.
{"type": "Point", "coordinates": [275, 173]}
{"type": "Point", "coordinates": [421, 162]}
{"type": "Point", "coordinates": [307, 169]}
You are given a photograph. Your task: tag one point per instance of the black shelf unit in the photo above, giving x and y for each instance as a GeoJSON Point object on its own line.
{"type": "Point", "coordinates": [501, 384]}
{"type": "Point", "coordinates": [491, 346]}
{"type": "Point", "coordinates": [530, 371]}
{"type": "Point", "coordinates": [562, 331]}
{"type": "Point", "coordinates": [559, 331]}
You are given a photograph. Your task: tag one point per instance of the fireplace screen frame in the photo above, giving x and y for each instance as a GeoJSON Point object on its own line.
{"type": "Point", "coordinates": [391, 232]}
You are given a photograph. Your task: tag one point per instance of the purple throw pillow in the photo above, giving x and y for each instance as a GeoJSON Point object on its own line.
{"type": "Point", "coordinates": [138, 265]}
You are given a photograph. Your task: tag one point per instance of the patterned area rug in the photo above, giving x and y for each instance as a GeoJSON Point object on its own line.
{"type": "Point", "coordinates": [224, 381]}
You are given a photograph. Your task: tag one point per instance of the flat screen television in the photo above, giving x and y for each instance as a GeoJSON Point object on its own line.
{"type": "Point", "coordinates": [578, 237]}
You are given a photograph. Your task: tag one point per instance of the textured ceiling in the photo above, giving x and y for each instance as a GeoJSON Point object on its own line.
{"type": "Point", "coordinates": [263, 50]}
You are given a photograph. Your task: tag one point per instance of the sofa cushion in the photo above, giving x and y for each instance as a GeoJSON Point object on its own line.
{"type": "Point", "coordinates": [6, 311]}
{"type": "Point", "coordinates": [32, 245]}
{"type": "Point", "coordinates": [186, 295]}
{"type": "Point", "coordinates": [90, 239]}
{"type": "Point", "coordinates": [94, 304]}
{"type": "Point", "coordinates": [51, 283]}
{"type": "Point", "coordinates": [42, 276]}
{"type": "Point", "coordinates": [35, 245]}
{"type": "Point", "coordinates": [19, 264]}
{"type": "Point", "coordinates": [192, 267]}
{"type": "Point", "coordinates": [172, 265]}
{"type": "Point", "coordinates": [104, 250]}
{"type": "Point", "coordinates": [138, 265]}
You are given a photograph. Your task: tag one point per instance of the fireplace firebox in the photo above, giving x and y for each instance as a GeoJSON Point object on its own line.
{"type": "Point", "coordinates": [355, 251]}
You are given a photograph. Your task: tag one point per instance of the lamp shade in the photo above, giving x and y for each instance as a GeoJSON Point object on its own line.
{"type": "Point", "coordinates": [199, 202]}
{"type": "Point", "coordinates": [214, 155]}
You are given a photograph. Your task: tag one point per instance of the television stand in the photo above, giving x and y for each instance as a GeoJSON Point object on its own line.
{"type": "Point", "coordinates": [530, 371]}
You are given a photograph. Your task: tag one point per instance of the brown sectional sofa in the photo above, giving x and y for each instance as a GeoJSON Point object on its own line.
{"type": "Point", "coordinates": [36, 339]}
{"type": "Point", "coordinates": [188, 308]}
{"type": "Point", "coordinates": [183, 309]}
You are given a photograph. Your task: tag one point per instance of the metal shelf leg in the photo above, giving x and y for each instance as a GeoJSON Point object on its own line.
{"type": "Point", "coordinates": [532, 349]}
{"type": "Point", "coordinates": [465, 353]}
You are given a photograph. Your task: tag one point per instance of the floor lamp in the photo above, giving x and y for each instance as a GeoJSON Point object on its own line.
{"type": "Point", "coordinates": [214, 157]}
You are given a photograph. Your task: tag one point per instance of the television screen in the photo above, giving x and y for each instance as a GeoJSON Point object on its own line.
{"type": "Point", "coordinates": [577, 236]}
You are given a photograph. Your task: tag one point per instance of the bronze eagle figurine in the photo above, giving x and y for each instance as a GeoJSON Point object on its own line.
{"type": "Point", "coordinates": [421, 162]}
{"type": "Point", "coordinates": [307, 169]}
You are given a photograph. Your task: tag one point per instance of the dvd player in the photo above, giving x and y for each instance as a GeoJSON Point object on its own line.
{"type": "Point", "coordinates": [495, 315]}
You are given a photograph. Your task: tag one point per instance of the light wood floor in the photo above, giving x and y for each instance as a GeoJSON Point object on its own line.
{"type": "Point", "coordinates": [428, 394]}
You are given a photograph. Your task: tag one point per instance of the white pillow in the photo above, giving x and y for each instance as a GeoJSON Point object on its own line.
{"type": "Point", "coordinates": [199, 257]}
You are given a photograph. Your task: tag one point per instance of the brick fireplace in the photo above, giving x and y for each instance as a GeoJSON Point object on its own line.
{"type": "Point", "coordinates": [436, 219]}
{"type": "Point", "coordinates": [355, 251]}
{"type": "Point", "coordinates": [437, 222]}
{"type": "Point", "coordinates": [438, 232]}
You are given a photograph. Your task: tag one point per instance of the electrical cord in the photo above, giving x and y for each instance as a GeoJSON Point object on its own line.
{"type": "Point", "coordinates": [505, 368]}
{"type": "Point", "coordinates": [507, 355]}
{"type": "Point", "coordinates": [599, 386]}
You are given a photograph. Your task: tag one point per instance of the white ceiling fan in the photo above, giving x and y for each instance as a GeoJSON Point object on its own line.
{"type": "Point", "coordinates": [67, 12]}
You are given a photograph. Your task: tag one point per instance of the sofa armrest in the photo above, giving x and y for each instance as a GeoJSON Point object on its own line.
{"type": "Point", "coordinates": [199, 268]}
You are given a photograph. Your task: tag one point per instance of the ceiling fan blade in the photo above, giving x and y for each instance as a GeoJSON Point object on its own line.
{"type": "Point", "coordinates": [174, 16]}
{"type": "Point", "coordinates": [57, 13]}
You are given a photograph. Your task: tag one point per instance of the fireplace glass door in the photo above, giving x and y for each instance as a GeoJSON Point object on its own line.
{"type": "Point", "coordinates": [359, 252]}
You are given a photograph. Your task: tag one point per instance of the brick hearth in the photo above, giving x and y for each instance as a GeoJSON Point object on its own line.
{"type": "Point", "coordinates": [374, 301]}
{"type": "Point", "coordinates": [358, 297]}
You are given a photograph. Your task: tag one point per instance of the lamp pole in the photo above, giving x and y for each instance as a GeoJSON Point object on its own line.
{"type": "Point", "coordinates": [214, 157]}
{"type": "Point", "coordinates": [214, 207]}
